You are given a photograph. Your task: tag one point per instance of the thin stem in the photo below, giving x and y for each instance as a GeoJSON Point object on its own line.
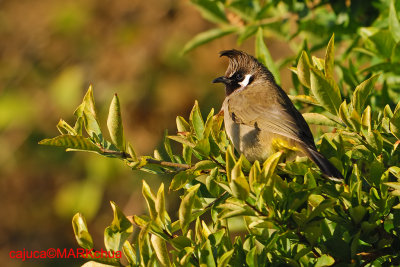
{"type": "Point", "coordinates": [255, 209]}
{"type": "Point", "coordinates": [169, 164]}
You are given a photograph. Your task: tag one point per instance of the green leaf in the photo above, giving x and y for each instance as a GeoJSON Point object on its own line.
{"type": "Point", "coordinates": [64, 128]}
{"type": "Point", "coordinates": [263, 55]}
{"type": "Point", "coordinates": [118, 232]}
{"type": "Point", "coordinates": [238, 184]}
{"type": "Point", "coordinates": [225, 258]}
{"type": "Point", "coordinates": [375, 140]}
{"type": "Point", "coordinates": [366, 118]}
{"type": "Point", "coordinates": [181, 179]}
{"type": "Point", "coordinates": [205, 165]}
{"type": "Point", "coordinates": [114, 124]}
{"type": "Point", "coordinates": [196, 121]}
{"type": "Point", "coordinates": [319, 119]}
{"type": "Point", "coordinates": [357, 213]}
{"type": "Point", "coordinates": [207, 36]}
{"type": "Point", "coordinates": [394, 24]}
{"type": "Point", "coordinates": [185, 209]}
{"type": "Point", "coordinates": [246, 33]}
{"type": "Point", "coordinates": [144, 246]}
{"type": "Point", "coordinates": [161, 250]}
{"type": "Point", "coordinates": [206, 255]}
{"type": "Point", "coordinates": [362, 92]}
{"type": "Point", "coordinates": [182, 125]}
{"type": "Point", "coordinates": [81, 231]}
{"type": "Point", "coordinates": [269, 166]}
{"type": "Point", "coordinates": [211, 10]}
{"type": "Point", "coordinates": [304, 99]}
{"type": "Point", "coordinates": [325, 260]}
{"type": "Point", "coordinates": [160, 206]}
{"type": "Point", "coordinates": [344, 114]}
{"type": "Point", "coordinates": [129, 253]}
{"type": "Point", "coordinates": [303, 69]}
{"type": "Point", "coordinates": [330, 57]}
{"type": "Point", "coordinates": [72, 142]}
{"type": "Point", "coordinates": [325, 92]}
{"type": "Point", "coordinates": [203, 147]}
{"type": "Point", "coordinates": [181, 140]}
{"type": "Point", "coordinates": [395, 123]}
{"type": "Point", "coordinates": [150, 199]}
{"type": "Point", "coordinates": [230, 162]}
{"type": "Point", "coordinates": [87, 110]}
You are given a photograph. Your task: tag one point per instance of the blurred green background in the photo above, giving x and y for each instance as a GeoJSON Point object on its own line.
{"type": "Point", "coordinates": [50, 51]}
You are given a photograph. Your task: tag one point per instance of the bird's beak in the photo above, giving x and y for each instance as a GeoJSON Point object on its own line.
{"type": "Point", "coordinates": [222, 79]}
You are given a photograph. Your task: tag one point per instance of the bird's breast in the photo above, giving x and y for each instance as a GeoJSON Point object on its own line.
{"type": "Point", "coordinates": [249, 140]}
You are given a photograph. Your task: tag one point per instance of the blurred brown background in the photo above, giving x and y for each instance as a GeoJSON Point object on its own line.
{"type": "Point", "coordinates": [50, 51]}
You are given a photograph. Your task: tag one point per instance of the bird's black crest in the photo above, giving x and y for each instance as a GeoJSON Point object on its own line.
{"type": "Point", "coordinates": [241, 61]}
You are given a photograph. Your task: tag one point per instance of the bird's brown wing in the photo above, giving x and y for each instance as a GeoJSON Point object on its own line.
{"type": "Point", "coordinates": [274, 113]}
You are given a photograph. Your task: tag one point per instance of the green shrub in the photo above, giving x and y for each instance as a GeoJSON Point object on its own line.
{"type": "Point", "coordinates": [284, 213]}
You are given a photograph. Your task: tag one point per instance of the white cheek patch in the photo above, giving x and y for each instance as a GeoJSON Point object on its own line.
{"type": "Point", "coordinates": [245, 81]}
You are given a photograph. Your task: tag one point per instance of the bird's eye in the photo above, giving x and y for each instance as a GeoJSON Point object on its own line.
{"type": "Point", "coordinates": [238, 77]}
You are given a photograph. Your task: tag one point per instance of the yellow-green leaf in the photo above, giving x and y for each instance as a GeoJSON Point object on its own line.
{"type": "Point", "coordinates": [81, 231]}
{"type": "Point", "coordinates": [87, 110]}
{"type": "Point", "coordinates": [330, 57]}
{"type": "Point", "coordinates": [319, 119]}
{"type": "Point", "coordinates": [207, 36]}
{"type": "Point", "coordinates": [325, 92]}
{"type": "Point", "coordinates": [361, 93]}
{"type": "Point", "coordinates": [150, 199]}
{"type": "Point", "coordinates": [72, 142]}
{"type": "Point", "coordinates": [303, 69]}
{"type": "Point", "coordinates": [394, 24]}
{"type": "Point", "coordinates": [185, 209]}
{"type": "Point", "coordinates": [161, 250]}
{"type": "Point", "coordinates": [114, 124]}
{"type": "Point", "coordinates": [263, 55]}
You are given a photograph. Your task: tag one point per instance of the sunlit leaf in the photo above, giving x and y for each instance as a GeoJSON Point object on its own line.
{"type": "Point", "coordinates": [161, 250]}
{"type": "Point", "coordinates": [118, 232]}
{"type": "Point", "coordinates": [325, 92]}
{"type": "Point", "coordinates": [81, 231]}
{"type": "Point", "coordinates": [303, 69]}
{"type": "Point", "coordinates": [319, 119]}
{"type": "Point", "coordinates": [114, 124]}
{"type": "Point", "coordinates": [329, 57]}
{"type": "Point", "coordinates": [87, 110]}
{"type": "Point", "coordinates": [362, 92]}
{"type": "Point", "coordinates": [185, 209]}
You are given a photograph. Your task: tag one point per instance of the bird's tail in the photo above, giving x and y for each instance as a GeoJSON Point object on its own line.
{"type": "Point", "coordinates": [324, 164]}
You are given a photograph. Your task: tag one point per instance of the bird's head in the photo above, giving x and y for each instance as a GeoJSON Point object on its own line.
{"type": "Point", "coordinates": [243, 70]}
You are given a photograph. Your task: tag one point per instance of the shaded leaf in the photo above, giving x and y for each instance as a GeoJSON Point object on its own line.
{"type": "Point", "coordinates": [263, 55]}
{"type": "Point", "coordinates": [207, 36]}
{"type": "Point", "coordinates": [394, 24]}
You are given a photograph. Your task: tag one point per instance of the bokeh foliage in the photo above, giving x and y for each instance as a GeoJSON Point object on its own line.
{"type": "Point", "coordinates": [289, 212]}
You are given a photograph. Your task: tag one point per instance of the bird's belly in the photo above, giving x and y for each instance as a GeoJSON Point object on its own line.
{"type": "Point", "coordinates": [254, 143]}
{"type": "Point", "coordinates": [249, 140]}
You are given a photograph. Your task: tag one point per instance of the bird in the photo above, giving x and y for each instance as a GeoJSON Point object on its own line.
{"type": "Point", "coordinates": [259, 114]}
